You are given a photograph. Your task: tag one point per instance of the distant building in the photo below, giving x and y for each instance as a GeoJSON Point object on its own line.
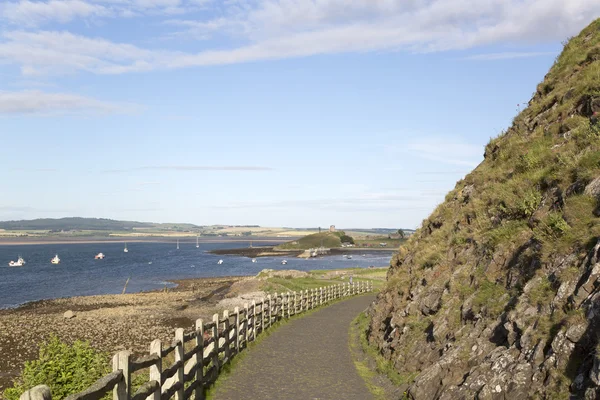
{"type": "Point", "coordinates": [332, 228]}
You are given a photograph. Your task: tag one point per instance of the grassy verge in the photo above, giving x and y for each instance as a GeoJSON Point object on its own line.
{"type": "Point", "coordinates": [322, 278]}
{"type": "Point", "coordinates": [380, 376]}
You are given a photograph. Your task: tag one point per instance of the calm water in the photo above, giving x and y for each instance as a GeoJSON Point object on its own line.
{"type": "Point", "coordinates": [79, 274]}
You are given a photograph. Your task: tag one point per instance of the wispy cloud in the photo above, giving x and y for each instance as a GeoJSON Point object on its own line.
{"type": "Point", "coordinates": [509, 55]}
{"type": "Point", "coordinates": [32, 13]}
{"type": "Point", "coordinates": [191, 168]}
{"type": "Point", "coordinates": [35, 13]}
{"type": "Point", "coordinates": [444, 150]}
{"type": "Point", "coordinates": [30, 102]}
{"type": "Point", "coordinates": [279, 29]}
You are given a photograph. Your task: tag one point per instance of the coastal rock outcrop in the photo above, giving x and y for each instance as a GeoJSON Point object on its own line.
{"type": "Point", "coordinates": [498, 294]}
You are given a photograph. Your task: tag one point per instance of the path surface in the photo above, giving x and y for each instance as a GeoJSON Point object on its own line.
{"type": "Point", "coordinates": [305, 359]}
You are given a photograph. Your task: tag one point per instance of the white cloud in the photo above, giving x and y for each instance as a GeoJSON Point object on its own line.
{"type": "Point", "coordinates": [509, 55]}
{"type": "Point", "coordinates": [444, 150]}
{"type": "Point", "coordinates": [36, 102]}
{"type": "Point", "coordinates": [31, 13]}
{"type": "Point", "coordinates": [277, 29]}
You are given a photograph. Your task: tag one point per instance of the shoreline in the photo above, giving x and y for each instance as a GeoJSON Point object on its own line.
{"type": "Point", "coordinates": [111, 322]}
{"type": "Point", "coordinates": [179, 285]}
{"type": "Point", "coordinates": [269, 251]}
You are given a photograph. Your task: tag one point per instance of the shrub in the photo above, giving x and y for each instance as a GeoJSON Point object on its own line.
{"type": "Point", "coordinates": [529, 203]}
{"type": "Point", "coordinates": [347, 239]}
{"type": "Point", "coordinates": [66, 369]}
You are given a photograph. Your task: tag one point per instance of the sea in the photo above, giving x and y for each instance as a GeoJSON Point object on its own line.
{"type": "Point", "coordinates": [148, 266]}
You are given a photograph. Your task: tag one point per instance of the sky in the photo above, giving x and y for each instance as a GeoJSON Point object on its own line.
{"type": "Point", "coordinates": [300, 113]}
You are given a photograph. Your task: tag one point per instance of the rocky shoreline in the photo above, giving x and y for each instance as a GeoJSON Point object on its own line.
{"type": "Point", "coordinates": [111, 322]}
{"type": "Point", "coordinates": [255, 252]}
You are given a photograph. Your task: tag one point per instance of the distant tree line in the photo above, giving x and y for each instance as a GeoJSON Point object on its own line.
{"type": "Point", "coordinates": [74, 223]}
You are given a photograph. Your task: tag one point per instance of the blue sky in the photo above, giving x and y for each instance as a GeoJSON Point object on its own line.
{"type": "Point", "coordinates": [273, 112]}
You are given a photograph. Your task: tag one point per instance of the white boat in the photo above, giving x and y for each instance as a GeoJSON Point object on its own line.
{"type": "Point", "coordinates": [125, 249]}
{"type": "Point", "coordinates": [19, 263]}
{"type": "Point", "coordinates": [254, 260]}
{"type": "Point", "coordinates": [284, 262]}
{"type": "Point", "coordinates": [197, 244]}
{"type": "Point", "coordinates": [55, 260]}
{"type": "Point", "coordinates": [177, 244]}
{"type": "Point", "coordinates": [349, 257]}
{"type": "Point", "coordinates": [220, 262]}
{"type": "Point", "coordinates": [99, 256]}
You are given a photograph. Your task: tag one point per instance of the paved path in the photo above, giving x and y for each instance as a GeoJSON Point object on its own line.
{"type": "Point", "coordinates": [305, 359]}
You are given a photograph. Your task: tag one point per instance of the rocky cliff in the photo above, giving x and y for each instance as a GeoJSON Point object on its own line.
{"type": "Point", "coordinates": [497, 295]}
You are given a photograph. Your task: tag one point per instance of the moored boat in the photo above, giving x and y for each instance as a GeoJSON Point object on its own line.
{"type": "Point", "coordinates": [19, 263]}
{"type": "Point", "coordinates": [55, 260]}
{"type": "Point", "coordinates": [284, 262]}
{"type": "Point", "coordinates": [99, 256]}
{"type": "Point", "coordinates": [125, 249]}
{"type": "Point", "coordinates": [220, 262]}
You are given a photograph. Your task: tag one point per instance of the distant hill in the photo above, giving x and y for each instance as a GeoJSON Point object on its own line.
{"type": "Point", "coordinates": [325, 239]}
{"type": "Point", "coordinates": [74, 223]}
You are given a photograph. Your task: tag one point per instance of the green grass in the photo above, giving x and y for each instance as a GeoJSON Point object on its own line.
{"type": "Point", "coordinates": [325, 239]}
{"type": "Point", "coordinates": [323, 278]}
{"type": "Point", "coordinates": [383, 366]}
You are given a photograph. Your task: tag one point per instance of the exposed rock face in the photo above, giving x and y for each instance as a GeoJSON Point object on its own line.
{"type": "Point", "coordinates": [69, 314]}
{"type": "Point", "coordinates": [497, 296]}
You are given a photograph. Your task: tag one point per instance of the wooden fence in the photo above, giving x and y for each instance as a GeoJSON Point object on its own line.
{"type": "Point", "coordinates": [197, 357]}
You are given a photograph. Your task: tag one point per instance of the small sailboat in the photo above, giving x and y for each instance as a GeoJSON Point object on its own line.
{"type": "Point", "coordinates": [284, 262]}
{"type": "Point", "coordinates": [177, 244]}
{"type": "Point", "coordinates": [254, 260]}
{"type": "Point", "coordinates": [55, 260]}
{"type": "Point", "coordinates": [125, 249]}
{"type": "Point", "coordinates": [99, 256]}
{"type": "Point", "coordinates": [19, 263]}
{"type": "Point", "coordinates": [197, 244]}
{"type": "Point", "coordinates": [220, 262]}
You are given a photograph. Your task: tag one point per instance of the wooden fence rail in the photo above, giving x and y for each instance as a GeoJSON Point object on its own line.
{"type": "Point", "coordinates": [197, 357]}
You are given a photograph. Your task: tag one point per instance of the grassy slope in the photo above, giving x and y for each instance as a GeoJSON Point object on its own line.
{"type": "Point", "coordinates": [326, 239]}
{"type": "Point", "coordinates": [521, 211]}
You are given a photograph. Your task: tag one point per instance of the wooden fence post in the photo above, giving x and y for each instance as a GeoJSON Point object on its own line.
{"type": "Point", "coordinates": [215, 334]}
{"type": "Point", "coordinates": [270, 305]}
{"type": "Point", "coordinates": [295, 302]}
{"type": "Point", "coordinates": [253, 320]}
{"type": "Point", "coordinates": [179, 352]}
{"type": "Point", "coordinates": [226, 330]}
{"type": "Point", "coordinates": [283, 305]}
{"type": "Point", "coordinates": [122, 390]}
{"type": "Point", "coordinates": [263, 315]}
{"type": "Point", "coordinates": [246, 325]}
{"type": "Point", "coordinates": [156, 369]}
{"type": "Point", "coordinates": [236, 312]}
{"type": "Point", "coordinates": [199, 360]}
